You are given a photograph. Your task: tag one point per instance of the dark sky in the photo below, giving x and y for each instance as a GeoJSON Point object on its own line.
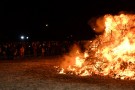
{"type": "Point", "coordinates": [64, 18]}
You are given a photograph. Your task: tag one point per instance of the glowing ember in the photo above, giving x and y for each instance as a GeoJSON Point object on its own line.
{"type": "Point", "coordinates": [110, 54]}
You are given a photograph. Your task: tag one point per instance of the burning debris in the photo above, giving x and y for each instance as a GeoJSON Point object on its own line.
{"type": "Point", "coordinates": [111, 54]}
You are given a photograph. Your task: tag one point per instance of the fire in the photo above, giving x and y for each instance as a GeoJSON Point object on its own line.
{"type": "Point", "coordinates": [110, 54]}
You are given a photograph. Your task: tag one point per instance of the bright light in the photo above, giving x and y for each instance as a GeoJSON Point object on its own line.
{"type": "Point", "coordinates": [27, 37]}
{"type": "Point", "coordinates": [22, 37]}
{"type": "Point", "coordinates": [46, 25]}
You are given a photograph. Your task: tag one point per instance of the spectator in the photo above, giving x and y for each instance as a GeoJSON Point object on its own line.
{"type": "Point", "coordinates": [43, 51]}
{"type": "Point", "coordinates": [22, 52]}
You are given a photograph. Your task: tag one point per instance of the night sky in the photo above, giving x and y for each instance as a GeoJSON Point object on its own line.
{"type": "Point", "coordinates": [64, 18]}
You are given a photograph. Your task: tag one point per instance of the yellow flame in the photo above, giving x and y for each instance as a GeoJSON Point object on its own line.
{"type": "Point", "coordinates": [113, 52]}
{"type": "Point", "coordinates": [79, 62]}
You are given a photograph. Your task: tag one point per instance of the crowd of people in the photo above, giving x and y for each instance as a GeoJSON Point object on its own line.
{"type": "Point", "coordinates": [14, 50]}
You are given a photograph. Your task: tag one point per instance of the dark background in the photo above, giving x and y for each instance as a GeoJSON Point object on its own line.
{"type": "Point", "coordinates": [67, 20]}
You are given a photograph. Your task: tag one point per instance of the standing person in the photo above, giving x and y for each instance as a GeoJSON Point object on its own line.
{"type": "Point", "coordinates": [35, 49]}
{"type": "Point", "coordinates": [22, 52]}
{"type": "Point", "coordinates": [43, 51]}
{"type": "Point", "coordinates": [0, 52]}
{"type": "Point", "coordinates": [4, 52]}
{"type": "Point", "coordinates": [9, 52]}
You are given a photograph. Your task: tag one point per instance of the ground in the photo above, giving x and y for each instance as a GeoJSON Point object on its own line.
{"type": "Point", "coordinates": [41, 74]}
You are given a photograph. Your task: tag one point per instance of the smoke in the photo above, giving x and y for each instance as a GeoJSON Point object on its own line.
{"type": "Point", "coordinates": [97, 24]}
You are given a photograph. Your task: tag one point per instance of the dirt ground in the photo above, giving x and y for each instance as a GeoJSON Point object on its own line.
{"type": "Point", "coordinates": [41, 74]}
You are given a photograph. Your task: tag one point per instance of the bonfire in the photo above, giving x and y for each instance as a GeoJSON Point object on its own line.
{"type": "Point", "coordinates": [111, 53]}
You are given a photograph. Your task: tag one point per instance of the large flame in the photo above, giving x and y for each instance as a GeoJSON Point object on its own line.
{"type": "Point", "coordinates": [110, 54]}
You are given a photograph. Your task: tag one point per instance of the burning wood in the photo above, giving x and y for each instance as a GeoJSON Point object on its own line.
{"type": "Point", "coordinates": [111, 54]}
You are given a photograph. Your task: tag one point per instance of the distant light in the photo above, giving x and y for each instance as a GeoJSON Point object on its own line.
{"type": "Point", "coordinates": [71, 35]}
{"type": "Point", "coordinates": [22, 37]}
{"type": "Point", "coordinates": [27, 37]}
{"type": "Point", "coordinates": [46, 25]}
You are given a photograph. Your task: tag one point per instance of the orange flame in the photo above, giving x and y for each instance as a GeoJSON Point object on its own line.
{"type": "Point", "coordinates": [112, 53]}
